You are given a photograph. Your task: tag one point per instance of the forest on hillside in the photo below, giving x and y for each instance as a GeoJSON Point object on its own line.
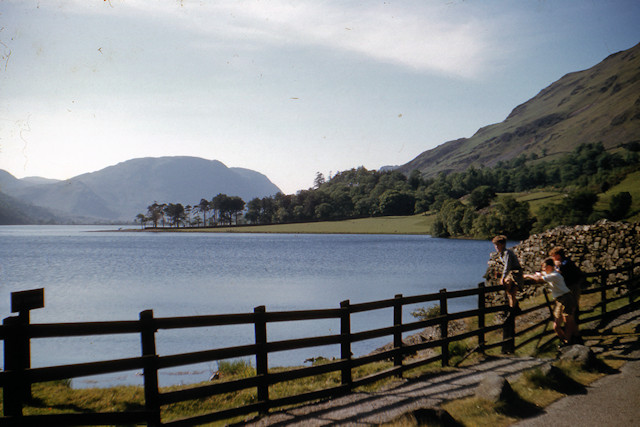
{"type": "Point", "coordinates": [466, 204]}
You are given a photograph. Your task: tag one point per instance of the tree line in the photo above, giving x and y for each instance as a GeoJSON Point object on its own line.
{"type": "Point", "coordinates": [465, 203]}
{"type": "Point", "coordinates": [220, 210]}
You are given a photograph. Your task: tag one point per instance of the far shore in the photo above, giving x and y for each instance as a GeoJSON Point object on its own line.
{"type": "Point", "coordinates": [415, 224]}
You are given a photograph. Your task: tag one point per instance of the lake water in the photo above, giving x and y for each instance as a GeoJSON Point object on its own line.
{"type": "Point", "coordinates": [98, 276]}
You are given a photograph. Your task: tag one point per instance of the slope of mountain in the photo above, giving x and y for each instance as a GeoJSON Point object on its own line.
{"type": "Point", "coordinates": [120, 192]}
{"type": "Point", "coordinates": [601, 104]}
{"type": "Point", "coordinates": [16, 212]}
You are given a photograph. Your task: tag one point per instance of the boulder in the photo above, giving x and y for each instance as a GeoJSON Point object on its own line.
{"type": "Point", "coordinates": [495, 388]}
{"type": "Point", "coordinates": [581, 354]}
{"type": "Point", "coordinates": [550, 371]}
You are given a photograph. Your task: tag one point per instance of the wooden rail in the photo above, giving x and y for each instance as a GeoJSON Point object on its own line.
{"type": "Point", "coordinates": [16, 332]}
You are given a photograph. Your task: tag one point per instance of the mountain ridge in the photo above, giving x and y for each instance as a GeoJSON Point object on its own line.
{"type": "Point", "coordinates": [119, 192]}
{"type": "Point", "coordinates": [599, 104]}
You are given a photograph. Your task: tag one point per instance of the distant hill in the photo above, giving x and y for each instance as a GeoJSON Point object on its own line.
{"type": "Point", "coordinates": [120, 192]}
{"type": "Point", "coordinates": [17, 212]}
{"type": "Point", "coordinates": [601, 104]}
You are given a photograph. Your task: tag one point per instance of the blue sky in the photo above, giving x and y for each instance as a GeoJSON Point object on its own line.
{"type": "Point", "coordinates": [287, 88]}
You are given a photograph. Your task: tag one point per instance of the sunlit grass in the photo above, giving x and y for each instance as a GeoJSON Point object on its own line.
{"type": "Point", "coordinates": [630, 184]}
{"type": "Point", "coordinates": [534, 391]}
{"type": "Point", "coordinates": [414, 224]}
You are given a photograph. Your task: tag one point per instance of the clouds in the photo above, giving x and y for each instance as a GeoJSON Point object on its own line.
{"type": "Point", "coordinates": [442, 37]}
{"type": "Point", "coordinates": [423, 37]}
{"type": "Point", "coordinates": [287, 88]}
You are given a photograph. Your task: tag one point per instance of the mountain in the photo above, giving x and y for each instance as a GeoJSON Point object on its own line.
{"type": "Point", "coordinates": [601, 104]}
{"type": "Point", "coordinates": [120, 192]}
{"type": "Point", "coordinates": [17, 212]}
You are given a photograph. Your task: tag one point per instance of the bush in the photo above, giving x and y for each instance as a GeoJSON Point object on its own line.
{"type": "Point", "coordinates": [619, 206]}
{"type": "Point", "coordinates": [239, 367]}
{"type": "Point", "coordinates": [426, 313]}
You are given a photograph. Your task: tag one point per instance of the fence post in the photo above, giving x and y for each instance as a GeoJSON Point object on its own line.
{"type": "Point", "coordinates": [12, 391]}
{"type": "Point", "coordinates": [509, 333]}
{"type": "Point", "coordinates": [481, 318]}
{"type": "Point", "coordinates": [603, 294]}
{"type": "Point", "coordinates": [150, 370]}
{"type": "Point", "coordinates": [631, 287]}
{"type": "Point", "coordinates": [397, 331]}
{"type": "Point", "coordinates": [262, 365]}
{"type": "Point", "coordinates": [444, 326]}
{"type": "Point", "coordinates": [345, 344]}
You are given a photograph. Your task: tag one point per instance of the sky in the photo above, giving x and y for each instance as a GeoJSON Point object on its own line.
{"type": "Point", "coordinates": [286, 88]}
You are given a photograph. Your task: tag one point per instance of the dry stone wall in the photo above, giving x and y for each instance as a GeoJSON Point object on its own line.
{"type": "Point", "coordinates": [604, 245]}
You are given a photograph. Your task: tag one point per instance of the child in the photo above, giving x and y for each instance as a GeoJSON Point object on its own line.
{"type": "Point", "coordinates": [573, 277]}
{"type": "Point", "coordinates": [511, 278]}
{"type": "Point", "coordinates": [565, 302]}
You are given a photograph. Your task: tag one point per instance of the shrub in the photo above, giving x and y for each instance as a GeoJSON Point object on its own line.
{"type": "Point", "coordinates": [426, 313]}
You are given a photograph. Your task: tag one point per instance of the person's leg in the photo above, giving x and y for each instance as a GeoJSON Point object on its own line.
{"type": "Point", "coordinates": [557, 321]}
{"type": "Point", "coordinates": [571, 330]}
{"type": "Point", "coordinates": [512, 300]}
{"type": "Point", "coordinates": [557, 326]}
{"type": "Point", "coordinates": [568, 326]}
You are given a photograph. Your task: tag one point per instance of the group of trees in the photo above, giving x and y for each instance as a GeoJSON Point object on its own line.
{"type": "Point", "coordinates": [465, 203]}
{"type": "Point", "coordinates": [222, 209]}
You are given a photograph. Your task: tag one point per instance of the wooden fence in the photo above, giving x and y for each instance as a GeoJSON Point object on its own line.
{"type": "Point", "coordinates": [18, 376]}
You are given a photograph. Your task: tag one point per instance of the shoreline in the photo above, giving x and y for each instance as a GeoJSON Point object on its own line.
{"type": "Point", "coordinates": [419, 224]}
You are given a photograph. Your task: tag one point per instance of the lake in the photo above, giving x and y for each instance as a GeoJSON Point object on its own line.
{"type": "Point", "coordinates": [90, 274]}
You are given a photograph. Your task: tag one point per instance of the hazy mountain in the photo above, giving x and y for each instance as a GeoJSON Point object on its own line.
{"type": "Point", "coordinates": [17, 212]}
{"type": "Point", "coordinates": [36, 180]}
{"type": "Point", "coordinates": [601, 104]}
{"type": "Point", "coordinates": [120, 192]}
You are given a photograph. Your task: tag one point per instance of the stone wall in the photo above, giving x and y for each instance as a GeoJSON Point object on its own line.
{"type": "Point", "coordinates": [604, 245]}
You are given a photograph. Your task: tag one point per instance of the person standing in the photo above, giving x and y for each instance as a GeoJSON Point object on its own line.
{"type": "Point", "coordinates": [563, 312]}
{"type": "Point", "coordinates": [511, 277]}
{"type": "Point", "coordinates": [571, 273]}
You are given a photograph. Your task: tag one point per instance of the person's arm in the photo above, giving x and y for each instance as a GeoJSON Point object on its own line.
{"type": "Point", "coordinates": [535, 278]}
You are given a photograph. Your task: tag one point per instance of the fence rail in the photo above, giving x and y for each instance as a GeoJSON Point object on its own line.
{"type": "Point", "coordinates": [17, 331]}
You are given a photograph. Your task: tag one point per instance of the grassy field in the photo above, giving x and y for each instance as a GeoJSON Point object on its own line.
{"type": "Point", "coordinates": [415, 224]}
{"type": "Point", "coordinates": [421, 223]}
{"type": "Point", "coordinates": [630, 184]}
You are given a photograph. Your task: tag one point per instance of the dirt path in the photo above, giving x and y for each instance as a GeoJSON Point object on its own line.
{"type": "Point", "coordinates": [611, 401]}
{"type": "Point", "coordinates": [365, 409]}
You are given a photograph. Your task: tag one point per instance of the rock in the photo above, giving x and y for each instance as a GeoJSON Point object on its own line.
{"type": "Point", "coordinates": [550, 371]}
{"type": "Point", "coordinates": [580, 354]}
{"type": "Point", "coordinates": [495, 388]}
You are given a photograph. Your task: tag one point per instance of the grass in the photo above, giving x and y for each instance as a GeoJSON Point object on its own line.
{"type": "Point", "coordinates": [631, 184]}
{"type": "Point", "coordinates": [414, 224]}
{"type": "Point", "coordinates": [422, 223]}
{"type": "Point", "coordinates": [58, 397]}
{"type": "Point", "coordinates": [533, 389]}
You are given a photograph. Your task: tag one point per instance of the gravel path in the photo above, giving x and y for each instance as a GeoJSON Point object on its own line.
{"type": "Point", "coordinates": [363, 409]}
{"type": "Point", "coordinates": [620, 392]}
{"type": "Point", "coordinates": [613, 400]}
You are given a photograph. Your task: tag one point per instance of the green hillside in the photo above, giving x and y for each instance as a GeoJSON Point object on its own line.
{"type": "Point", "coordinates": [630, 184]}
{"type": "Point", "coordinates": [598, 105]}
